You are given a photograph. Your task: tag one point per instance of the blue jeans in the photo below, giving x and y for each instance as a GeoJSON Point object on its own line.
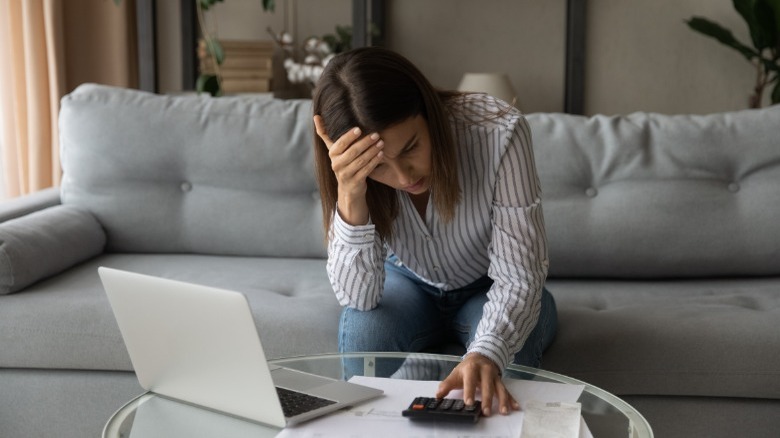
{"type": "Point", "coordinates": [413, 316]}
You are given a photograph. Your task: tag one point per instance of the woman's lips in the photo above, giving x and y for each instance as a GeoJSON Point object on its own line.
{"type": "Point", "coordinates": [416, 186]}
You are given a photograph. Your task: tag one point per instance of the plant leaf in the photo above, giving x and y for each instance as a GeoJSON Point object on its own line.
{"type": "Point", "coordinates": [215, 49]}
{"type": "Point", "coordinates": [747, 9]}
{"type": "Point", "coordinates": [269, 5]}
{"type": "Point", "coordinates": [331, 40]}
{"type": "Point", "coordinates": [770, 65]}
{"type": "Point", "coordinates": [208, 84]}
{"type": "Point", "coordinates": [374, 30]}
{"type": "Point", "coordinates": [206, 4]}
{"type": "Point", "coordinates": [774, 5]}
{"type": "Point", "coordinates": [345, 37]}
{"type": "Point", "coordinates": [765, 22]}
{"type": "Point", "coordinates": [723, 35]}
{"type": "Point", "coordinates": [776, 93]}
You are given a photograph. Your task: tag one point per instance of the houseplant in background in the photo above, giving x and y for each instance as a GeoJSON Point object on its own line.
{"type": "Point", "coordinates": [305, 66]}
{"type": "Point", "coordinates": [212, 82]}
{"type": "Point", "coordinates": [302, 66]}
{"type": "Point", "coordinates": [763, 21]}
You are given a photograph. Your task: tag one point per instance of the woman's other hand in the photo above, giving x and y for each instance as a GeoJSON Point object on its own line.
{"type": "Point", "coordinates": [352, 158]}
{"type": "Point", "coordinates": [477, 371]}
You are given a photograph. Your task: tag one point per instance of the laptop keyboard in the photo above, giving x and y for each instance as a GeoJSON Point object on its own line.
{"type": "Point", "coordinates": [295, 403]}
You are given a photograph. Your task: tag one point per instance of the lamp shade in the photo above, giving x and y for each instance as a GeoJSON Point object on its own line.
{"type": "Point", "coordinates": [495, 84]}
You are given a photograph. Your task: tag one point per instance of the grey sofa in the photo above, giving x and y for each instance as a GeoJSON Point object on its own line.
{"type": "Point", "coordinates": [663, 230]}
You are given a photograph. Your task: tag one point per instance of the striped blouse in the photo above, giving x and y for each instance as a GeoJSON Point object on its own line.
{"type": "Point", "coordinates": [497, 229]}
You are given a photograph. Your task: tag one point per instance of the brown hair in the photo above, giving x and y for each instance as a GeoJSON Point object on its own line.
{"type": "Point", "coordinates": [374, 88]}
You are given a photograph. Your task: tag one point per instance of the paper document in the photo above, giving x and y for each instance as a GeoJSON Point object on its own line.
{"type": "Point", "coordinates": [551, 420]}
{"type": "Point", "coordinates": [381, 417]}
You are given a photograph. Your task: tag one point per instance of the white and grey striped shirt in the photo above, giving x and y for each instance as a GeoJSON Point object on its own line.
{"type": "Point", "coordinates": [498, 230]}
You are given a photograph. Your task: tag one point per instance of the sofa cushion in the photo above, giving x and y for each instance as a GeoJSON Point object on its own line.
{"type": "Point", "coordinates": [44, 243]}
{"type": "Point", "coordinates": [193, 174]}
{"type": "Point", "coordinates": [17, 207]}
{"type": "Point", "coordinates": [675, 337]}
{"type": "Point", "coordinates": [66, 322]}
{"type": "Point", "coordinates": [652, 195]}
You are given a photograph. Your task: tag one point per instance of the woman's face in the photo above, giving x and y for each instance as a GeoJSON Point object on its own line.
{"type": "Point", "coordinates": [406, 164]}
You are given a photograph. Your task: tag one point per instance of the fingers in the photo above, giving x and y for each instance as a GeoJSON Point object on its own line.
{"type": "Point", "coordinates": [451, 382]}
{"type": "Point", "coordinates": [353, 162]}
{"type": "Point", "coordinates": [487, 386]}
{"type": "Point", "coordinates": [362, 155]}
{"type": "Point", "coordinates": [477, 371]}
{"type": "Point", "coordinates": [506, 402]}
{"type": "Point", "coordinates": [351, 149]}
{"type": "Point", "coordinates": [350, 146]}
{"type": "Point", "coordinates": [353, 158]}
{"type": "Point", "coordinates": [469, 388]}
{"type": "Point", "coordinates": [344, 142]}
{"type": "Point", "coordinates": [362, 166]}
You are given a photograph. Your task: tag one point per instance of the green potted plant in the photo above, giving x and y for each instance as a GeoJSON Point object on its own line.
{"type": "Point", "coordinates": [211, 83]}
{"type": "Point", "coordinates": [763, 20]}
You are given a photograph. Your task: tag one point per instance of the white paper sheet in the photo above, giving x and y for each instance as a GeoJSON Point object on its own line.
{"type": "Point", "coordinates": [551, 420]}
{"type": "Point", "coordinates": [381, 418]}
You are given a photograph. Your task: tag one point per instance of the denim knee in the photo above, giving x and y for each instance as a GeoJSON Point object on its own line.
{"type": "Point", "coordinates": [355, 322]}
{"type": "Point", "coordinates": [542, 335]}
{"type": "Point", "coordinates": [371, 331]}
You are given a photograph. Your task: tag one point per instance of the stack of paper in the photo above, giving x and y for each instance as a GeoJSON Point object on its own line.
{"type": "Point", "coordinates": [381, 417]}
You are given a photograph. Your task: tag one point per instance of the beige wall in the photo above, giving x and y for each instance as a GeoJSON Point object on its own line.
{"type": "Point", "coordinates": [236, 19]}
{"type": "Point", "coordinates": [523, 38]}
{"type": "Point", "coordinates": [640, 54]}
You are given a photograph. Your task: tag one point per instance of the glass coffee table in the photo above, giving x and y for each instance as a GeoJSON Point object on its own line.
{"type": "Point", "coordinates": [150, 415]}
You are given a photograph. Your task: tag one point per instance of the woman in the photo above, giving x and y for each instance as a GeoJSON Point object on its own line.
{"type": "Point", "coordinates": [432, 210]}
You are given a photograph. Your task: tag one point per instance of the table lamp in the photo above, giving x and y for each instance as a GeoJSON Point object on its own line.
{"type": "Point", "coordinates": [495, 84]}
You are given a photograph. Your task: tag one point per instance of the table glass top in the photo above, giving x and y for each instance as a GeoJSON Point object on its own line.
{"type": "Point", "coordinates": [606, 415]}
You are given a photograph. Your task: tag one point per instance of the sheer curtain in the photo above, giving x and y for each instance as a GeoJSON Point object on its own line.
{"type": "Point", "coordinates": [47, 48]}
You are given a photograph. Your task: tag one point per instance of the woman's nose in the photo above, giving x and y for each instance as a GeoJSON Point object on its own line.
{"type": "Point", "coordinates": [403, 176]}
{"type": "Point", "coordinates": [404, 179]}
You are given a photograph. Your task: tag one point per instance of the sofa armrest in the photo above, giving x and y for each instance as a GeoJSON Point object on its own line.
{"type": "Point", "coordinates": [45, 243]}
{"type": "Point", "coordinates": [23, 205]}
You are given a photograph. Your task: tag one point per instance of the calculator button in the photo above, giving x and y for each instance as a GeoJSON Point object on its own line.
{"type": "Point", "coordinates": [429, 408]}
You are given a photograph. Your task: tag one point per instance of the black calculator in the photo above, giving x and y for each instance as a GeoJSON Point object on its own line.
{"type": "Point", "coordinates": [445, 409]}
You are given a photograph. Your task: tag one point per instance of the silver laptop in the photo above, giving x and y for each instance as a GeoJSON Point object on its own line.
{"type": "Point", "coordinates": [200, 345]}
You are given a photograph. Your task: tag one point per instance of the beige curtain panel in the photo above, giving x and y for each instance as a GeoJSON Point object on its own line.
{"type": "Point", "coordinates": [47, 48]}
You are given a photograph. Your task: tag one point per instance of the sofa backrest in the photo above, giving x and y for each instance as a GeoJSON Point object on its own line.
{"type": "Point", "coordinates": [641, 195]}
{"type": "Point", "coordinates": [651, 195]}
{"type": "Point", "coordinates": [192, 174]}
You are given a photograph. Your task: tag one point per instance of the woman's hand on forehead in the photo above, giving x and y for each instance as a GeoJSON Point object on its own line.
{"type": "Point", "coordinates": [353, 157]}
